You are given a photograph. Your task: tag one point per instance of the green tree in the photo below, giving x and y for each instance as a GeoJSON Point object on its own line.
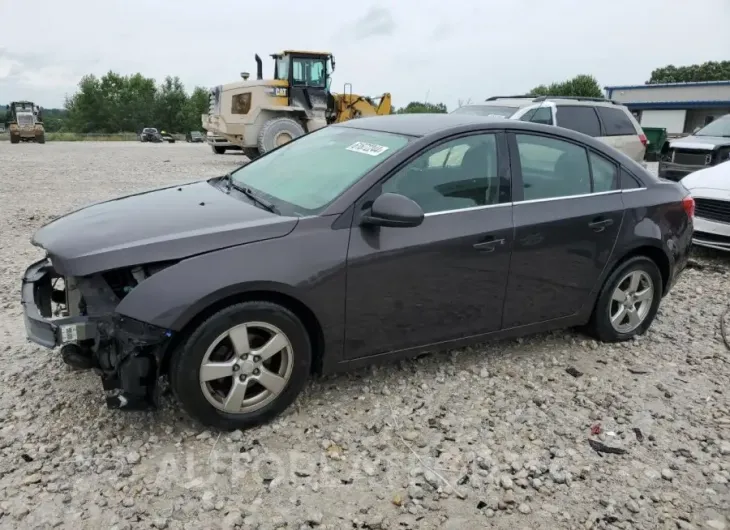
{"type": "Point", "coordinates": [709, 71]}
{"type": "Point", "coordinates": [55, 120]}
{"type": "Point", "coordinates": [418, 107]}
{"type": "Point", "coordinates": [580, 86]}
{"type": "Point", "coordinates": [171, 105]}
{"type": "Point", "coordinates": [116, 103]}
{"type": "Point", "coordinates": [197, 105]}
{"type": "Point", "coordinates": [85, 107]}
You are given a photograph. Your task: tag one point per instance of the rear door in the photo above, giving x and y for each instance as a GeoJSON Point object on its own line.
{"type": "Point", "coordinates": [621, 131]}
{"type": "Point", "coordinates": [567, 213]}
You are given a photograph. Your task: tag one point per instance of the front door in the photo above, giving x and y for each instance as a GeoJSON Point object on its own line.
{"type": "Point", "coordinates": [567, 218]}
{"type": "Point", "coordinates": [444, 279]}
{"type": "Point", "coordinates": [308, 84]}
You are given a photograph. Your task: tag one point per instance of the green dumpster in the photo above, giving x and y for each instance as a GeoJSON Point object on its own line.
{"type": "Point", "coordinates": [656, 136]}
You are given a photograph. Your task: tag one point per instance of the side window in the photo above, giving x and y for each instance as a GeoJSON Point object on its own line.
{"type": "Point", "coordinates": [581, 119]}
{"type": "Point", "coordinates": [458, 174]}
{"type": "Point", "coordinates": [539, 115]}
{"type": "Point", "coordinates": [552, 168]}
{"type": "Point", "coordinates": [527, 116]}
{"type": "Point", "coordinates": [298, 72]}
{"type": "Point", "coordinates": [317, 72]}
{"type": "Point", "coordinates": [628, 182]}
{"type": "Point", "coordinates": [605, 174]}
{"type": "Point", "coordinates": [616, 122]}
{"type": "Point", "coordinates": [543, 115]}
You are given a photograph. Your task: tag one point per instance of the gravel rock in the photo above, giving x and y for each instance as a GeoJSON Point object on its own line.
{"type": "Point", "coordinates": [502, 423]}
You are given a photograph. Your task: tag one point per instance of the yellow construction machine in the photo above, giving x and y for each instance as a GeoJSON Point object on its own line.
{"type": "Point", "coordinates": [262, 114]}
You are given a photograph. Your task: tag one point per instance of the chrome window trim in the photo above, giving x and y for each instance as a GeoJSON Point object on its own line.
{"type": "Point", "coordinates": [579, 196]}
{"type": "Point", "coordinates": [469, 209]}
{"type": "Point", "coordinates": [530, 201]}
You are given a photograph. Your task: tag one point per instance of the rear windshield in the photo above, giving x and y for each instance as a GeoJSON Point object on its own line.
{"type": "Point", "coordinates": [487, 110]}
{"type": "Point", "coordinates": [304, 176]}
{"type": "Point", "coordinates": [719, 127]}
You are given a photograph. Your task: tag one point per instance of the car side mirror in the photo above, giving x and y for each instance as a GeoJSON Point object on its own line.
{"type": "Point", "coordinates": [394, 210]}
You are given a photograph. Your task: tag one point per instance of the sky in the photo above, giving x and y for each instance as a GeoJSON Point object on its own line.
{"type": "Point", "coordinates": [436, 50]}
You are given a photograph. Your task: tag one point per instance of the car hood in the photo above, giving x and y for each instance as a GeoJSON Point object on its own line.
{"type": "Point", "coordinates": [163, 224]}
{"type": "Point", "coordinates": [712, 178]}
{"type": "Point", "coordinates": [707, 143]}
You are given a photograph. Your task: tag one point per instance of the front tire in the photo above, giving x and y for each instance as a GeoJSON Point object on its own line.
{"type": "Point", "coordinates": [251, 152]}
{"type": "Point", "coordinates": [628, 301]}
{"type": "Point", "coordinates": [41, 138]}
{"type": "Point", "coordinates": [243, 366]}
{"type": "Point", "coordinates": [14, 138]}
{"type": "Point", "coordinates": [218, 150]}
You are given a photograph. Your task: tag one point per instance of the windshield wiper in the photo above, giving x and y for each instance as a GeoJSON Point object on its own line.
{"type": "Point", "coordinates": [248, 192]}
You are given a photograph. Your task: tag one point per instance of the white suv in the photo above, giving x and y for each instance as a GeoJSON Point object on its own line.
{"type": "Point", "coordinates": [597, 117]}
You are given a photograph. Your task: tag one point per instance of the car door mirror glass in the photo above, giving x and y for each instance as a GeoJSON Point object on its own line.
{"type": "Point", "coordinates": [395, 210]}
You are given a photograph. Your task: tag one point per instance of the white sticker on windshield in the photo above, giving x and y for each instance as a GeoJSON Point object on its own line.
{"type": "Point", "coordinates": [367, 149]}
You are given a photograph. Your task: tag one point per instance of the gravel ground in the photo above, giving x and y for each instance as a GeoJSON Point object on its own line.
{"type": "Point", "coordinates": [495, 436]}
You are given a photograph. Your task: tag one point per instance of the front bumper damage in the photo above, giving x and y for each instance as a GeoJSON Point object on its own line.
{"type": "Point", "coordinates": [78, 316]}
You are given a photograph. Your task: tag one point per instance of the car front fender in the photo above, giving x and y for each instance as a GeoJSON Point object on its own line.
{"type": "Point", "coordinates": [308, 265]}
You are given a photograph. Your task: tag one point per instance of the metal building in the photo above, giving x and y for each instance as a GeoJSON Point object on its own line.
{"type": "Point", "coordinates": [678, 107]}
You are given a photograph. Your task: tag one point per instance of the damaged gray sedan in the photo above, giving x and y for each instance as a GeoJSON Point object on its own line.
{"type": "Point", "coordinates": [377, 238]}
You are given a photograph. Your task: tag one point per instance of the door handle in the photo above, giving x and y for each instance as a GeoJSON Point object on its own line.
{"type": "Point", "coordinates": [599, 225]}
{"type": "Point", "coordinates": [488, 245]}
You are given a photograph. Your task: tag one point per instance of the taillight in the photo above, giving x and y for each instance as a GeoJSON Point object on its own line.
{"type": "Point", "coordinates": [688, 203]}
{"type": "Point", "coordinates": [644, 141]}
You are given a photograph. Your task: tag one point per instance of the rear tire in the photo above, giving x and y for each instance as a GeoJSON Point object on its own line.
{"type": "Point", "coordinates": [251, 152]}
{"type": "Point", "coordinates": [628, 301]}
{"type": "Point", "coordinates": [262, 381]}
{"type": "Point", "coordinates": [218, 150]}
{"type": "Point", "coordinates": [277, 132]}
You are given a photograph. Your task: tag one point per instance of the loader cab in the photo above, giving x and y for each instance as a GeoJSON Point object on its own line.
{"type": "Point", "coordinates": [309, 76]}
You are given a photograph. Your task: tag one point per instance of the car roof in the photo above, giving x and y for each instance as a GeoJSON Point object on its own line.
{"type": "Point", "coordinates": [416, 124]}
{"type": "Point", "coordinates": [424, 125]}
{"type": "Point", "coordinates": [526, 101]}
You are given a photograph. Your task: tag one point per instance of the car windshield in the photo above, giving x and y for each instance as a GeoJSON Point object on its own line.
{"type": "Point", "coordinates": [304, 176]}
{"type": "Point", "coordinates": [487, 110]}
{"type": "Point", "coordinates": [719, 127]}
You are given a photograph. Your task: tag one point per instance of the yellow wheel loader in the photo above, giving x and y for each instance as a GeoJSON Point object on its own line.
{"type": "Point", "coordinates": [262, 114]}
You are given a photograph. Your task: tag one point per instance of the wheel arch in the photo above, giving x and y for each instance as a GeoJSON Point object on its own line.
{"type": "Point", "coordinates": [654, 253]}
{"type": "Point", "coordinates": [189, 322]}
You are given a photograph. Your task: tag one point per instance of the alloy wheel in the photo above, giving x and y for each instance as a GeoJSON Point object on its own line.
{"type": "Point", "coordinates": [246, 367]}
{"type": "Point", "coordinates": [631, 301]}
